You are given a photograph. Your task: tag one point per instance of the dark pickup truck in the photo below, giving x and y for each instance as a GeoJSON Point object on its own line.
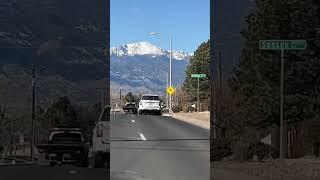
{"type": "Point", "coordinates": [130, 108]}
{"type": "Point", "coordinates": [66, 146]}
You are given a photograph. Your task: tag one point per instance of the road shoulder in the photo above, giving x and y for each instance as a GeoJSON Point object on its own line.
{"type": "Point", "coordinates": [221, 174]}
{"type": "Point", "coordinates": [190, 120]}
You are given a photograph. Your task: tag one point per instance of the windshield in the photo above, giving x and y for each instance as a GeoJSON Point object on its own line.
{"type": "Point", "coordinates": [154, 98]}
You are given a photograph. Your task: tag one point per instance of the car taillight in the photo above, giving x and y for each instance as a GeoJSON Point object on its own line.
{"type": "Point", "coordinates": [100, 130]}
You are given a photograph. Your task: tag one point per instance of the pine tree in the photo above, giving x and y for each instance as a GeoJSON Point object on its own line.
{"type": "Point", "coordinates": [129, 97]}
{"type": "Point", "coordinates": [62, 113]}
{"type": "Point", "coordinates": [257, 78]}
{"type": "Point", "coordinates": [199, 64]}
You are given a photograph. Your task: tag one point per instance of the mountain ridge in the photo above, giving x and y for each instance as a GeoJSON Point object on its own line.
{"type": "Point", "coordinates": [142, 67]}
{"type": "Point", "coordinates": [146, 48]}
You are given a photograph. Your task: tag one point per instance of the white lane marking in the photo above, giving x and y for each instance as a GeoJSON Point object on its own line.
{"type": "Point", "coordinates": [132, 121]}
{"type": "Point", "coordinates": [73, 172]}
{"type": "Point", "coordinates": [131, 115]}
{"type": "Point", "coordinates": [142, 136]}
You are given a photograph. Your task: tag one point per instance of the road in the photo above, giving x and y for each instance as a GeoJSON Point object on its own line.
{"type": "Point", "coordinates": [156, 148]}
{"type": "Point", "coordinates": [52, 173]}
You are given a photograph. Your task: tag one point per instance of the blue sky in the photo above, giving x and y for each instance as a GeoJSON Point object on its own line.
{"type": "Point", "coordinates": [187, 21]}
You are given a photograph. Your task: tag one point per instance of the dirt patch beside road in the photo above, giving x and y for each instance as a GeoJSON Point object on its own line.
{"type": "Point", "coordinates": [202, 116]}
{"type": "Point", "coordinates": [201, 119]}
{"type": "Point", "coordinates": [290, 169]}
{"type": "Point", "coordinates": [222, 174]}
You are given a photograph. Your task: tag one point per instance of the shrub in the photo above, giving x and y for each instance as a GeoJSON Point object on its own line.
{"type": "Point", "coordinates": [220, 148]}
{"type": "Point", "coordinates": [176, 109]}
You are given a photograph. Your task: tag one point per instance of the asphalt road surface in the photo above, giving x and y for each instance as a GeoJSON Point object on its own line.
{"type": "Point", "coordinates": [52, 173]}
{"type": "Point", "coordinates": [151, 147]}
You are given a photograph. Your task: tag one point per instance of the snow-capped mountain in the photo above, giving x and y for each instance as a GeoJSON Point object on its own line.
{"type": "Point", "coordinates": [146, 48]}
{"type": "Point", "coordinates": [143, 67]}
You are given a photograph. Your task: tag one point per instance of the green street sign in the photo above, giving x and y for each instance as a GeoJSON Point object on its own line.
{"type": "Point", "coordinates": [198, 75]}
{"type": "Point", "coordinates": [282, 44]}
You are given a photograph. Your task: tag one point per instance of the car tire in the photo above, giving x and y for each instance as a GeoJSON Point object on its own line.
{"type": "Point", "coordinates": [85, 163]}
{"type": "Point", "coordinates": [52, 164]}
{"type": "Point", "coordinates": [99, 161]}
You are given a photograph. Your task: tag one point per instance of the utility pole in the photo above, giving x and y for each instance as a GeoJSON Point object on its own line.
{"type": "Point", "coordinates": [219, 95]}
{"type": "Point", "coordinates": [120, 92]}
{"type": "Point", "coordinates": [33, 111]}
{"type": "Point", "coordinates": [167, 98]}
{"type": "Point", "coordinates": [170, 77]}
{"type": "Point", "coordinates": [220, 86]}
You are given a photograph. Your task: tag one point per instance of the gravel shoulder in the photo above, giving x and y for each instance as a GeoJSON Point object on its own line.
{"type": "Point", "coordinates": [289, 169]}
{"type": "Point", "coordinates": [201, 119]}
{"type": "Point", "coordinates": [221, 174]}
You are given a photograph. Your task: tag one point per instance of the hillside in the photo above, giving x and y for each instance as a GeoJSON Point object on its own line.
{"type": "Point", "coordinates": [143, 67]}
{"type": "Point", "coordinates": [67, 40]}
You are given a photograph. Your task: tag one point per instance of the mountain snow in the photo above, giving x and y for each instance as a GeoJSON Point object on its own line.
{"type": "Point", "coordinates": [147, 49]}
{"type": "Point", "coordinates": [143, 67]}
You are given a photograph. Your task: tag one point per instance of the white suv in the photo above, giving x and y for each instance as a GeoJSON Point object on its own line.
{"type": "Point", "coordinates": [150, 103]}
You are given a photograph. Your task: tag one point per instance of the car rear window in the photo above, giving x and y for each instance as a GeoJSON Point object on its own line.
{"type": "Point", "coordinates": [67, 138]}
{"type": "Point", "coordinates": [131, 105]}
{"type": "Point", "coordinates": [155, 98]}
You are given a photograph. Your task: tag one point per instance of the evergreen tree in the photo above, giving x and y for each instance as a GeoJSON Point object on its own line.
{"type": "Point", "coordinates": [199, 64]}
{"type": "Point", "coordinates": [62, 113]}
{"type": "Point", "coordinates": [129, 97]}
{"type": "Point", "coordinates": [256, 81]}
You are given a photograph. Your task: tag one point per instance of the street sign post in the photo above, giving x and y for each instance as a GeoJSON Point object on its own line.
{"type": "Point", "coordinates": [170, 90]}
{"type": "Point", "coordinates": [282, 45]}
{"type": "Point", "coordinates": [198, 76]}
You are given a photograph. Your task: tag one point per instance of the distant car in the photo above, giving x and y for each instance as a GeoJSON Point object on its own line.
{"type": "Point", "coordinates": [130, 107]}
{"type": "Point", "coordinates": [150, 103]}
{"type": "Point", "coordinates": [101, 140]}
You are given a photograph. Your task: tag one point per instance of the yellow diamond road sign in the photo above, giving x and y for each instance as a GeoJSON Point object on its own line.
{"type": "Point", "coordinates": [170, 90]}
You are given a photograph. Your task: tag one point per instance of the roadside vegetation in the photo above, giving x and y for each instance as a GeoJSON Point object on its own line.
{"type": "Point", "coordinates": [248, 108]}
{"type": "Point", "coordinates": [186, 95]}
{"type": "Point", "coordinates": [15, 127]}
